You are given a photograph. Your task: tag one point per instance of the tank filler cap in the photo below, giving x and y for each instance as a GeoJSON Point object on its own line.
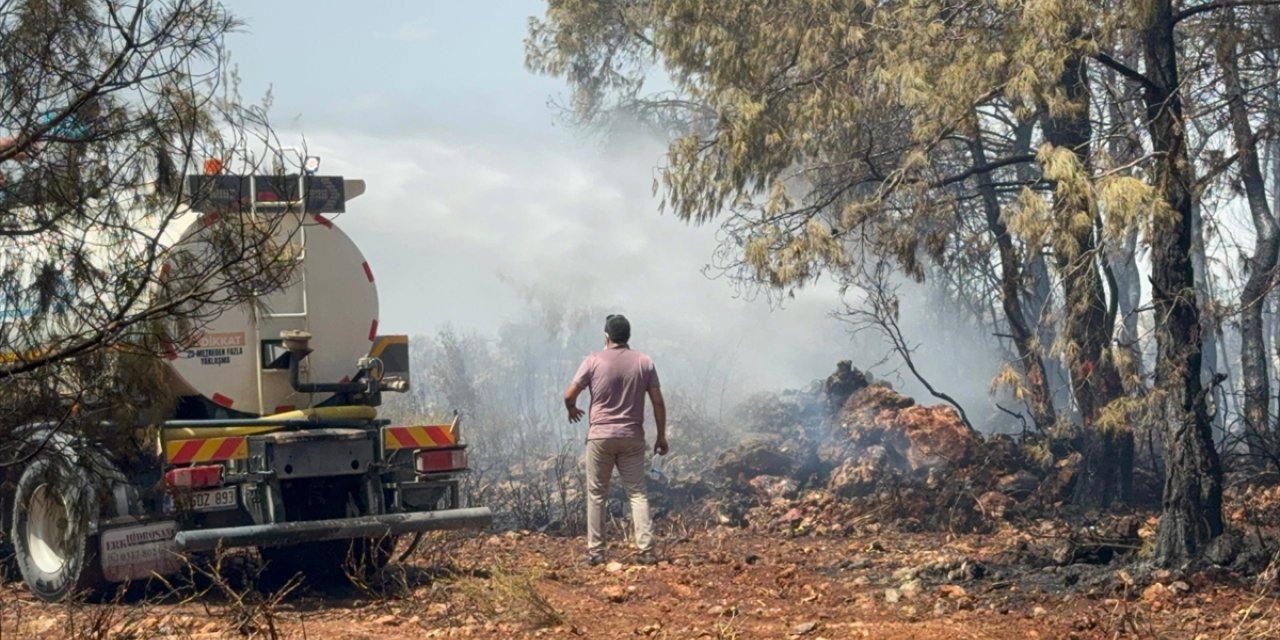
{"type": "Point", "coordinates": [296, 341]}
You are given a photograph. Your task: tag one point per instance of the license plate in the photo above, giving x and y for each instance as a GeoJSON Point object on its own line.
{"type": "Point", "coordinates": [211, 500]}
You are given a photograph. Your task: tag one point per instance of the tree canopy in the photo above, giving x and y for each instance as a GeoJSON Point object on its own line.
{"type": "Point", "coordinates": [1062, 157]}
{"type": "Point", "coordinates": [104, 107]}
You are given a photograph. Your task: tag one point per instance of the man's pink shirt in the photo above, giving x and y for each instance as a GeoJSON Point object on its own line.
{"type": "Point", "coordinates": [618, 379]}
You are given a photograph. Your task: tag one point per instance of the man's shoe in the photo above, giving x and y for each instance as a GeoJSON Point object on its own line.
{"type": "Point", "coordinates": [647, 558]}
{"type": "Point", "coordinates": [594, 559]}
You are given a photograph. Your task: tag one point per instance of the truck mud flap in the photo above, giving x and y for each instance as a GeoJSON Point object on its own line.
{"type": "Point", "coordinates": [286, 533]}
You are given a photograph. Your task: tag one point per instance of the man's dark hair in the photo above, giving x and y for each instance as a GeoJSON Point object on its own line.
{"type": "Point", "coordinates": [617, 328]}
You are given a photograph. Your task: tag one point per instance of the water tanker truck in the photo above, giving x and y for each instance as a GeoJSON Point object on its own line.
{"type": "Point", "coordinates": [274, 440]}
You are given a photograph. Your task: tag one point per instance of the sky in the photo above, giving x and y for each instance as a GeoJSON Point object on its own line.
{"type": "Point", "coordinates": [476, 190]}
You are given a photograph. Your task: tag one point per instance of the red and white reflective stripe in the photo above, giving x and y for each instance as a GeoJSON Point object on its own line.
{"type": "Point", "coordinates": [373, 330]}
{"type": "Point", "coordinates": [206, 450]}
{"type": "Point", "coordinates": [323, 221]}
{"type": "Point", "coordinates": [368, 272]}
{"type": "Point", "coordinates": [419, 437]}
{"type": "Point", "coordinates": [222, 400]}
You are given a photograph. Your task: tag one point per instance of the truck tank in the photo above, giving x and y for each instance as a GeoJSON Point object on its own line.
{"type": "Point", "coordinates": [230, 361]}
{"type": "Point", "coordinates": [236, 359]}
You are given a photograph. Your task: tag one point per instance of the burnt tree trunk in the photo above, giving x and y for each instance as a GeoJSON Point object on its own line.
{"type": "Point", "coordinates": [1262, 265]}
{"type": "Point", "coordinates": [1192, 506]}
{"type": "Point", "coordinates": [1037, 298]}
{"type": "Point", "coordinates": [1107, 472]}
{"type": "Point", "coordinates": [1125, 147]}
{"type": "Point", "coordinates": [1024, 339]}
{"type": "Point", "coordinates": [1129, 299]}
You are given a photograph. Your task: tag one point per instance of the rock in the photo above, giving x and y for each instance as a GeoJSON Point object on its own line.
{"type": "Point", "coordinates": [437, 609]}
{"type": "Point", "coordinates": [995, 504]}
{"type": "Point", "coordinates": [892, 596]}
{"type": "Point", "coordinates": [842, 384]}
{"type": "Point", "coordinates": [614, 593]}
{"type": "Point", "coordinates": [911, 588]}
{"type": "Point", "coordinates": [923, 437]}
{"type": "Point", "coordinates": [1156, 593]}
{"type": "Point", "coordinates": [774, 487]}
{"type": "Point", "coordinates": [867, 403]}
{"type": "Point", "coordinates": [730, 511]}
{"type": "Point", "coordinates": [1062, 479]}
{"type": "Point", "coordinates": [855, 564]}
{"type": "Point", "coordinates": [1179, 587]}
{"type": "Point", "coordinates": [938, 439]}
{"type": "Point", "coordinates": [43, 625]}
{"type": "Point", "coordinates": [857, 477]}
{"type": "Point", "coordinates": [1017, 485]}
{"type": "Point", "coordinates": [804, 628]}
{"type": "Point", "coordinates": [968, 571]}
{"type": "Point", "coordinates": [759, 457]}
{"type": "Point", "coordinates": [1038, 612]}
{"type": "Point", "coordinates": [1224, 549]}
{"type": "Point", "coordinates": [613, 567]}
{"type": "Point", "coordinates": [954, 591]}
{"type": "Point", "coordinates": [388, 621]}
{"type": "Point", "coordinates": [907, 573]}
{"type": "Point", "coordinates": [1063, 553]}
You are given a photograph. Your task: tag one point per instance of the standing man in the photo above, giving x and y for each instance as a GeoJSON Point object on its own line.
{"type": "Point", "coordinates": [619, 379]}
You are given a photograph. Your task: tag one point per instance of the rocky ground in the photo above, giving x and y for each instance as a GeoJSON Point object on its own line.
{"type": "Point", "coordinates": [861, 515]}
{"type": "Point", "coordinates": [714, 583]}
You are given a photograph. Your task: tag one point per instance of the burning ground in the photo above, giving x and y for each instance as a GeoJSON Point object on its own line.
{"type": "Point", "coordinates": [854, 513]}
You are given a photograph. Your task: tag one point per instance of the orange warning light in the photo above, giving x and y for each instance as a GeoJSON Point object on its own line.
{"type": "Point", "coordinates": [212, 166]}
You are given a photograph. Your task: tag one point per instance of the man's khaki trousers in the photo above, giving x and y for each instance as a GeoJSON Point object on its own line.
{"type": "Point", "coordinates": [627, 454]}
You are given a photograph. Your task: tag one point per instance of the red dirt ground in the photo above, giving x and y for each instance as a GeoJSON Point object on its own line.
{"type": "Point", "coordinates": [721, 583]}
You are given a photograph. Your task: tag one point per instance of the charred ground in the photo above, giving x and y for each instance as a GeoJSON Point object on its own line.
{"type": "Point", "coordinates": [848, 513]}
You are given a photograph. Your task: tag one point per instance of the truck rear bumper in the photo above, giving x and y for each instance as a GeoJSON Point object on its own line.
{"type": "Point", "coordinates": [286, 533]}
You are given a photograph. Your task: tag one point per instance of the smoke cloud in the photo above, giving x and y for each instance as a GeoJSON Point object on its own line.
{"type": "Point", "coordinates": [458, 230]}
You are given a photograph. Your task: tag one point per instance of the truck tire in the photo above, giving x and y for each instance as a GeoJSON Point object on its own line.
{"type": "Point", "coordinates": [54, 509]}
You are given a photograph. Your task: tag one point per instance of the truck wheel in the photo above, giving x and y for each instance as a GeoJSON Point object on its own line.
{"type": "Point", "coordinates": [53, 509]}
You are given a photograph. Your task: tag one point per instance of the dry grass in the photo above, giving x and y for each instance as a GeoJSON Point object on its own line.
{"type": "Point", "coordinates": [507, 597]}
{"type": "Point", "coordinates": [1261, 618]}
{"type": "Point", "coordinates": [1258, 621]}
{"type": "Point", "coordinates": [234, 598]}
